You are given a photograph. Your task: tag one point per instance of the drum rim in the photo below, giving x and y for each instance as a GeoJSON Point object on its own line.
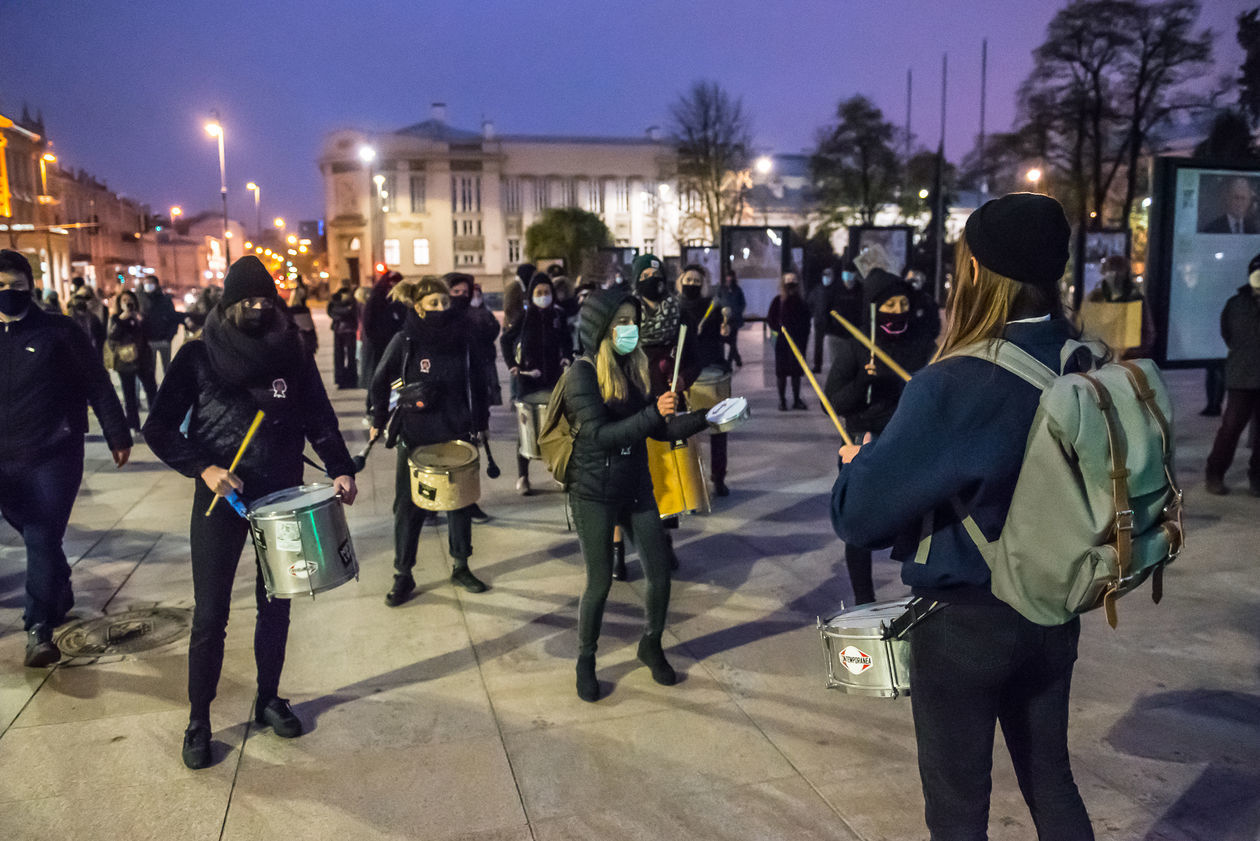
{"type": "Point", "coordinates": [429, 469]}
{"type": "Point", "coordinates": [260, 503]}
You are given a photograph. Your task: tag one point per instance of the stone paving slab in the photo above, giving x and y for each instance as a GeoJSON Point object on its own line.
{"type": "Point", "coordinates": [454, 716]}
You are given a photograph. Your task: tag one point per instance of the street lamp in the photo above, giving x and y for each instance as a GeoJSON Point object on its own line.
{"type": "Point", "coordinates": [278, 222]}
{"type": "Point", "coordinates": [1033, 176]}
{"type": "Point", "coordinates": [764, 164]}
{"type": "Point", "coordinates": [257, 206]}
{"type": "Point", "coordinates": [215, 130]}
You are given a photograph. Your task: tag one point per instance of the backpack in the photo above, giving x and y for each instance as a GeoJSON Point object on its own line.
{"type": "Point", "coordinates": [1096, 509]}
{"type": "Point", "coordinates": [555, 435]}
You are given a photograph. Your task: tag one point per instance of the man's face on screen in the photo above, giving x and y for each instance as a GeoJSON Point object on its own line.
{"type": "Point", "coordinates": [1239, 198]}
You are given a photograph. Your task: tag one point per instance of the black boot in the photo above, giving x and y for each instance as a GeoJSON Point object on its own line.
{"type": "Point", "coordinates": [401, 591]}
{"type": "Point", "coordinates": [196, 752]}
{"type": "Point", "coordinates": [277, 713]}
{"type": "Point", "coordinates": [619, 560]}
{"type": "Point", "coordinates": [587, 684]}
{"type": "Point", "coordinates": [41, 651]}
{"type": "Point", "coordinates": [673, 557]}
{"type": "Point", "coordinates": [463, 576]}
{"type": "Point", "coordinates": [651, 655]}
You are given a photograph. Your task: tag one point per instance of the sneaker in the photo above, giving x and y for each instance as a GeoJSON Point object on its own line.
{"type": "Point", "coordinates": [41, 651]}
{"type": "Point", "coordinates": [1216, 487]}
{"type": "Point", "coordinates": [278, 715]}
{"type": "Point", "coordinates": [464, 577]}
{"type": "Point", "coordinates": [196, 751]}
{"type": "Point", "coordinates": [477, 515]}
{"type": "Point", "coordinates": [522, 486]}
{"type": "Point", "coordinates": [401, 591]}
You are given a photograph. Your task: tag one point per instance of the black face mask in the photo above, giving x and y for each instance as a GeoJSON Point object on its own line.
{"type": "Point", "coordinates": [653, 288]}
{"type": "Point", "coordinates": [459, 303]}
{"type": "Point", "coordinates": [437, 319]}
{"type": "Point", "coordinates": [254, 323]}
{"type": "Point", "coordinates": [13, 302]}
{"type": "Point", "coordinates": [691, 292]}
{"type": "Point", "coordinates": [893, 324]}
{"type": "Point", "coordinates": [790, 288]}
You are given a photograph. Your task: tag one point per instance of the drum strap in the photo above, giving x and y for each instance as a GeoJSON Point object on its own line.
{"type": "Point", "coordinates": [916, 611]}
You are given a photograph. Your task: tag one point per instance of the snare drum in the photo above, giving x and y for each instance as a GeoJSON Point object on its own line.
{"type": "Point", "coordinates": [446, 476]}
{"type": "Point", "coordinates": [860, 661]}
{"type": "Point", "coordinates": [728, 414]}
{"type": "Point", "coordinates": [677, 477]}
{"type": "Point", "coordinates": [303, 541]}
{"type": "Point", "coordinates": [710, 388]}
{"type": "Point", "coordinates": [529, 415]}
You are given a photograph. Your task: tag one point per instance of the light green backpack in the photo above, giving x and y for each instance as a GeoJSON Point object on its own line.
{"type": "Point", "coordinates": [1096, 509]}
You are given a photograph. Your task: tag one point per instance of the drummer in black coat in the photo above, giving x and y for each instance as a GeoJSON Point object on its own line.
{"type": "Point", "coordinates": [704, 334]}
{"type": "Point", "coordinates": [537, 349]}
{"type": "Point", "coordinates": [250, 358]}
{"type": "Point", "coordinates": [435, 352]}
{"type": "Point", "coordinates": [866, 392]}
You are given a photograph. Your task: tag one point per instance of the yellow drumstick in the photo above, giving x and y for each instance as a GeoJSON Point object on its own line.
{"type": "Point", "coordinates": [883, 357]}
{"type": "Point", "coordinates": [826, 403]}
{"type": "Point", "coordinates": [240, 451]}
{"type": "Point", "coordinates": [707, 313]}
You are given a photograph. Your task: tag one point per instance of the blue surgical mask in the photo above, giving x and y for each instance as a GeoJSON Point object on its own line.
{"type": "Point", "coordinates": [848, 278]}
{"type": "Point", "coordinates": [625, 338]}
{"type": "Point", "coordinates": [826, 278]}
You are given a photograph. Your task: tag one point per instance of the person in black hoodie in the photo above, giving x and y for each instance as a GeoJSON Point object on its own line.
{"type": "Point", "coordinates": [704, 329]}
{"type": "Point", "coordinates": [249, 358]}
{"type": "Point", "coordinates": [49, 374]}
{"type": "Point", "coordinates": [300, 314]}
{"type": "Point", "coordinates": [866, 392]}
{"type": "Point", "coordinates": [382, 319]}
{"type": "Point", "coordinates": [788, 313]}
{"type": "Point", "coordinates": [343, 312]}
{"type": "Point", "coordinates": [127, 353]}
{"type": "Point", "coordinates": [161, 322]}
{"type": "Point", "coordinates": [956, 442]}
{"type": "Point", "coordinates": [485, 329]}
{"type": "Point", "coordinates": [537, 350]}
{"type": "Point", "coordinates": [431, 350]}
{"type": "Point", "coordinates": [607, 402]}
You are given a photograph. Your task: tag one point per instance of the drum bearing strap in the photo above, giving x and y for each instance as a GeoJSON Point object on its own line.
{"type": "Point", "coordinates": [916, 611]}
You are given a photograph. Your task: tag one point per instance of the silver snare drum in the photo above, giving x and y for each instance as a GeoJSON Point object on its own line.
{"type": "Point", "coordinates": [859, 660]}
{"type": "Point", "coordinates": [727, 415]}
{"type": "Point", "coordinates": [303, 541]}
{"type": "Point", "coordinates": [529, 414]}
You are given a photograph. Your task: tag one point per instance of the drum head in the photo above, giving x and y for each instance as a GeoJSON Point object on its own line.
{"type": "Point", "coordinates": [442, 457]}
{"type": "Point", "coordinates": [713, 374]}
{"type": "Point", "coordinates": [869, 615]}
{"type": "Point", "coordinates": [292, 499]}
{"type": "Point", "coordinates": [728, 409]}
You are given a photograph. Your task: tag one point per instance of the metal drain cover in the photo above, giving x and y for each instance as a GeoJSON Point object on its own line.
{"type": "Point", "coordinates": [125, 633]}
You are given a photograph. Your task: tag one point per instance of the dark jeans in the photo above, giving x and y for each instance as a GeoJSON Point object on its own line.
{"type": "Point", "coordinates": [345, 365]}
{"type": "Point", "coordinates": [1241, 407]}
{"type": "Point", "coordinates": [819, 334]}
{"type": "Point", "coordinates": [409, 520]}
{"type": "Point", "coordinates": [732, 345]}
{"type": "Point", "coordinates": [36, 496]}
{"type": "Point", "coordinates": [974, 666]}
{"type": "Point", "coordinates": [781, 382]}
{"type": "Point", "coordinates": [641, 524]}
{"type": "Point", "coordinates": [1214, 385]}
{"type": "Point", "coordinates": [131, 401]}
{"type": "Point", "coordinates": [160, 350]}
{"type": "Point", "coordinates": [717, 456]}
{"type": "Point", "coordinates": [217, 541]}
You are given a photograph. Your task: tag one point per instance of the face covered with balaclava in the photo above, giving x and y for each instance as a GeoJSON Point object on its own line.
{"type": "Point", "coordinates": [253, 316]}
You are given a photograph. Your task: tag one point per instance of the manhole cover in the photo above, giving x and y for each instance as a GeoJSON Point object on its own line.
{"type": "Point", "coordinates": [125, 633]}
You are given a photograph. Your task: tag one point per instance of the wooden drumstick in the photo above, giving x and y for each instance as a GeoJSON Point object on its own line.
{"type": "Point", "coordinates": [883, 357]}
{"type": "Point", "coordinates": [682, 337]}
{"type": "Point", "coordinates": [826, 403]}
{"type": "Point", "coordinates": [871, 387]}
{"type": "Point", "coordinates": [240, 451]}
{"type": "Point", "coordinates": [707, 313]}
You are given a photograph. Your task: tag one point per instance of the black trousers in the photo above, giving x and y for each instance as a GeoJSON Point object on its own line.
{"type": "Point", "coordinates": [1242, 406]}
{"type": "Point", "coordinates": [781, 382]}
{"type": "Point", "coordinates": [345, 364]}
{"type": "Point", "coordinates": [36, 497]}
{"type": "Point", "coordinates": [1214, 385]}
{"type": "Point", "coordinates": [977, 666]}
{"type": "Point", "coordinates": [641, 524]}
{"type": "Point", "coordinates": [409, 520]}
{"type": "Point", "coordinates": [717, 456]}
{"type": "Point", "coordinates": [217, 542]}
{"type": "Point", "coordinates": [131, 401]}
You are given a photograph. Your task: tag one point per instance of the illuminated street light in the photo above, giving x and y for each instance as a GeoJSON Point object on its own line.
{"type": "Point", "coordinates": [257, 206]}
{"type": "Point", "coordinates": [292, 239]}
{"type": "Point", "coordinates": [923, 194]}
{"type": "Point", "coordinates": [367, 154]}
{"type": "Point", "coordinates": [176, 212]}
{"type": "Point", "coordinates": [1033, 175]}
{"type": "Point", "coordinates": [49, 157]}
{"type": "Point", "coordinates": [279, 222]}
{"type": "Point", "coordinates": [764, 164]}
{"type": "Point", "coordinates": [215, 130]}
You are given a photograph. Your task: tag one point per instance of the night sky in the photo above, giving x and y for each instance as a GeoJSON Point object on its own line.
{"type": "Point", "coordinates": [126, 86]}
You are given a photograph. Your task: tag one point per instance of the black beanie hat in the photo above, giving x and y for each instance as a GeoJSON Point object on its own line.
{"type": "Point", "coordinates": [525, 271]}
{"type": "Point", "coordinates": [1023, 236]}
{"type": "Point", "coordinates": [642, 263]}
{"type": "Point", "coordinates": [248, 278]}
{"type": "Point", "coordinates": [1254, 264]}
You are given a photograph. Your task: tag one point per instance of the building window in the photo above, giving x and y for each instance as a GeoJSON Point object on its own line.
{"type": "Point", "coordinates": [512, 195]}
{"type": "Point", "coordinates": [593, 199]}
{"type": "Point", "coordinates": [621, 189]}
{"type": "Point", "coordinates": [649, 246]}
{"type": "Point", "coordinates": [567, 191]}
{"type": "Point", "coordinates": [467, 227]}
{"type": "Point", "coordinates": [420, 251]}
{"type": "Point", "coordinates": [514, 250]}
{"type": "Point", "coordinates": [417, 193]}
{"type": "Point", "coordinates": [542, 194]}
{"type": "Point", "coordinates": [466, 193]}
{"type": "Point", "coordinates": [468, 258]}
{"type": "Point", "coordinates": [392, 255]}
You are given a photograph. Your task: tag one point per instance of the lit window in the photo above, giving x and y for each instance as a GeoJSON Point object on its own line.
{"type": "Point", "coordinates": [392, 256]}
{"type": "Point", "coordinates": [420, 251]}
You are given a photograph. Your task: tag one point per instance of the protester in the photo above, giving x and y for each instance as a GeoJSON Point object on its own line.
{"type": "Point", "coordinates": [343, 312]}
{"type": "Point", "coordinates": [606, 400]}
{"type": "Point", "coordinates": [127, 353]}
{"type": "Point", "coordinates": [382, 318]}
{"type": "Point", "coordinates": [481, 335]}
{"type": "Point", "coordinates": [300, 315]}
{"type": "Point", "coordinates": [925, 313]}
{"type": "Point", "coordinates": [85, 310]}
{"type": "Point", "coordinates": [486, 329]}
{"type": "Point", "coordinates": [160, 320]}
{"type": "Point", "coordinates": [956, 440]}
{"type": "Point", "coordinates": [52, 302]}
{"type": "Point", "coordinates": [50, 374]}
{"type": "Point", "coordinates": [821, 300]}
{"type": "Point", "coordinates": [731, 303]}
{"type": "Point", "coordinates": [514, 296]}
{"type": "Point", "coordinates": [789, 314]}
{"type": "Point", "coordinates": [195, 316]}
{"type": "Point", "coordinates": [1240, 328]}
{"type": "Point", "coordinates": [704, 326]}
{"type": "Point", "coordinates": [249, 359]}
{"type": "Point", "coordinates": [1117, 287]}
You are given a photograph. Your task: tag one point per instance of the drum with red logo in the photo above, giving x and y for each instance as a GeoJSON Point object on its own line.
{"type": "Point", "coordinates": [302, 540]}
{"type": "Point", "coordinates": [861, 657]}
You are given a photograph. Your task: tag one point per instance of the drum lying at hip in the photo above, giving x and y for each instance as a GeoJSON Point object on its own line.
{"type": "Point", "coordinates": [677, 477]}
{"type": "Point", "coordinates": [859, 660]}
{"type": "Point", "coordinates": [303, 541]}
{"type": "Point", "coordinates": [710, 388]}
{"type": "Point", "coordinates": [529, 414]}
{"type": "Point", "coordinates": [444, 477]}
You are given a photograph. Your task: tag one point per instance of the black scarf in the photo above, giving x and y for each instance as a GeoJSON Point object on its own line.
{"type": "Point", "coordinates": [242, 360]}
{"type": "Point", "coordinates": [427, 336]}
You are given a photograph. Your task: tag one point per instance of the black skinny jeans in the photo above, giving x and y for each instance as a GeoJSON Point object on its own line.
{"type": "Point", "coordinates": [217, 542]}
{"type": "Point", "coordinates": [345, 365]}
{"type": "Point", "coordinates": [131, 401]}
{"type": "Point", "coordinates": [641, 524]}
{"type": "Point", "coordinates": [974, 666]}
{"type": "Point", "coordinates": [717, 456]}
{"type": "Point", "coordinates": [36, 497]}
{"type": "Point", "coordinates": [409, 520]}
{"type": "Point", "coordinates": [1241, 407]}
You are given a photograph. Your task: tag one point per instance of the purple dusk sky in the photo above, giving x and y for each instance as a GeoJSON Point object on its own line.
{"type": "Point", "coordinates": [125, 87]}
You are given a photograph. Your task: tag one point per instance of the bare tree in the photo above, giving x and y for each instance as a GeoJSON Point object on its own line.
{"type": "Point", "coordinates": [712, 135]}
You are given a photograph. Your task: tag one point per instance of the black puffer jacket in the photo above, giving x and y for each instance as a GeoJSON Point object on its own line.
{"type": "Point", "coordinates": [297, 410]}
{"type": "Point", "coordinates": [440, 360]}
{"type": "Point", "coordinates": [609, 461]}
{"type": "Point", "coordinates": [1240, 328]}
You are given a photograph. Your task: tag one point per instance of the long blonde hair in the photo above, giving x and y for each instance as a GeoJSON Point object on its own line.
{"type": "Point", "coordinates": [616, 379]}
{"type": "Point", "coordinates": [980, 304]}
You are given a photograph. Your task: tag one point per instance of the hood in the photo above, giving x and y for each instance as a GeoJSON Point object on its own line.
{"type": "Point", "coordinates": [880, 285]}
{"type": "Point", "coordinates": [597, 314]}
{"type": "Point", "coordinates": [539, 277]}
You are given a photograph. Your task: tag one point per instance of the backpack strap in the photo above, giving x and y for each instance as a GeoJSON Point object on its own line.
{"type": "Point", "coordinates": [1011, 357]}
{"type": "Point", "coordinates": [1123, 527]}
{"type": "Point", "coordinates": [1087, 355]}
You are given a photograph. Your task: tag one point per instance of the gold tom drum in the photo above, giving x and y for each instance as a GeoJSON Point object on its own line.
{"type": "Point", "coordinates": [861, 660]}
{"type": "Point", "coordinates": [446, 476]}
{"type": "Point", "coordinates": [710, 388]}
{"type": "Point", "coordinates": [677, 477]}
{"type": "Point", "coordinates": [529, 415]}
{"type": "Point", "coordinates": [302, 540]}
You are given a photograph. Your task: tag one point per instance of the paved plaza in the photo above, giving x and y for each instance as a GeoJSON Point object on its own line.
{"type": "Point", "coordinates": [455, 717]}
